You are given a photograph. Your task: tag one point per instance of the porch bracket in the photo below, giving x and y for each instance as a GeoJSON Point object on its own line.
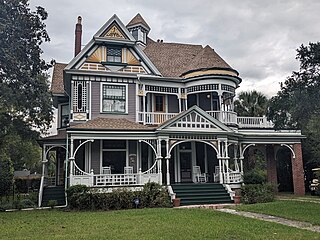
{"type": "Point", "coordinates": [245, 148]}
{"type": "Point", "coordinates": [75, 152]}
{"type": "Point", "coordinates": [150, 144]}
{"type": "Point", "coordinates": [291, 149]}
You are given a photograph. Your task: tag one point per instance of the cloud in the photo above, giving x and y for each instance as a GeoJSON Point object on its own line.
{"type": "Point", "coordinates": [257, 38]}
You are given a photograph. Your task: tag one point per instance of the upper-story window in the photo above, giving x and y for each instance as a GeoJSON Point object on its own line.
{"type": "Point", "coordinates": [114, 98]}
{"type": "Point", "coordinates": [114, 54]}
{"type": "Point", "coordinates": [64, 115]}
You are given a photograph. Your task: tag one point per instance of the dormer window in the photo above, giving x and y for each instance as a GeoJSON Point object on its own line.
{"type": "Point", "coordinates": [114, 54]}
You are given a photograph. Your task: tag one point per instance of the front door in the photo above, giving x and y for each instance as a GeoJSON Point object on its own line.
{"type": "Point", "coordinates": [186, 166]}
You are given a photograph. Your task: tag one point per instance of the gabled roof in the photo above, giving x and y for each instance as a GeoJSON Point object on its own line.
{"type": "Point", "coordinates": [197, 119]}
{"type": "Point", "coordinates": [175, 59]}
{"type": "Point", "coordinates": [57, 78]}
{"type": "Point", "coordinates": [111, 124]}
{"type": "Point", "coordinates": [137, 20]}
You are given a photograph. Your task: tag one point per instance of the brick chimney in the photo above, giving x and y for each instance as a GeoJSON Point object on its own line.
{"type": "Point", "coordinates": [78, 33]}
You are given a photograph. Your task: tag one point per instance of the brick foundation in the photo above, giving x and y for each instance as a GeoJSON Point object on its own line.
{"type": "Point", "coordinates": [298, 171]}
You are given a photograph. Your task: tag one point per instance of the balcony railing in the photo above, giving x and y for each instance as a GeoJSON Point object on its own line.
{"type": "Point", "coordinates": [226, 117]}
{"type": "Point", "coordinates": [254, 122]}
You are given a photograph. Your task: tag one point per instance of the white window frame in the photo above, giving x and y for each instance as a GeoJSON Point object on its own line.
{"type": "Point", "coordinates": [101, 97]}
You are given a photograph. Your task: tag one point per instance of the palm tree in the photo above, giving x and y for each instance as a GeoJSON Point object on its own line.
{"type": "Point", "coordinates": [251, 104]}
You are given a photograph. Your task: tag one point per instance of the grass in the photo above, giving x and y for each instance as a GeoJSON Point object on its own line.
{"type": "Point", "coordinates": [141, 224]}
{"type": "Point", "coordinates": [291, 209]}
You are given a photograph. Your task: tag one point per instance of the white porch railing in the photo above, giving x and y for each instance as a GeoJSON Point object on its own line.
{"type": "Point", "coordinates": [103, 180]}
{"type": "Point", "coordinates": [234, 176]}
{"type": "Point", "coordinates": [154, 117]}
{"type": "Point", "coordinates": [254, 122]}
{"type": "Point", "coordinates": [227, 117]}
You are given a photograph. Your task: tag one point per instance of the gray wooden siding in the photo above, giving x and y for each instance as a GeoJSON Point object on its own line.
{"type": "Point", "coordinates": [95, 156]}
{"type": "Point", "coordinates": [96, 103]}
{"type": "Point", "coordinates": [173, 104]}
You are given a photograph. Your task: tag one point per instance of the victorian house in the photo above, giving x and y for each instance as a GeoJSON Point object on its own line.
{"type": "Point", "coordinates": [132, 110]}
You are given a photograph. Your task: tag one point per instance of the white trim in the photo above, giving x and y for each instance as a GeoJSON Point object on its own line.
{"type": "Point", "coordinates": [101, 97]}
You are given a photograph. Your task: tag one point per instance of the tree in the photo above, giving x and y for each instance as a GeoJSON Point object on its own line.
{"type": "Point", "coordinates": [6, 174]}
{"type": "Point", "coordinates": [25, 102]}
{"type": "Point", "coordinates": [251, 104]}
{"type": "Point", "coordinates": [297, 105]}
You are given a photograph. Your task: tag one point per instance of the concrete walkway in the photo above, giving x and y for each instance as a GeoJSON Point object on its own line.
{"type": "Point", "coordinates": [268, 218]}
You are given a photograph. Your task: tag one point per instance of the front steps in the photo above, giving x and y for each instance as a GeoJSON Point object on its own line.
{"type": "Point", "coordinates": [201, 193]}
{"type": "Point", "coordinates": [53, 193]}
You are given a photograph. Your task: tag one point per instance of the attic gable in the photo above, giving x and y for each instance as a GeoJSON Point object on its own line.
{"type": "Point", "coordinates": [194, 119]}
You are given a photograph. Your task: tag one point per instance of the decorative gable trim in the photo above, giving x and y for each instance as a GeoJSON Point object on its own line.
{"type": "Point", "coordinates": [194, 119]}
{"type": "Point", "coordinates": [122, 28]}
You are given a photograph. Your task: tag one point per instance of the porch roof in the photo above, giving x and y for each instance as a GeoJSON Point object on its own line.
{"type": "Point", "coordinates": [57, 138]}
{"type": "Point", "coordinates": [120, 124]}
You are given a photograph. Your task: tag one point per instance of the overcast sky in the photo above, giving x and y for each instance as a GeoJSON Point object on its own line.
{"type": "Point", "coordinates": [257, 38]}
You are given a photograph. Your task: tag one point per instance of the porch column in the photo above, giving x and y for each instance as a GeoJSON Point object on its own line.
{"type": "Point", "coordinates": [220, 171]}
{"type": "Point", "coordinates": [227, 160]}
{"type": "Point", "coordinates": [271, 166]}
{"type": "Point", "coordinates": [71, 160]}
{"type": "Point", "coordinates": [297, 170]}
{"type": "Point", "coordinates": [159, 159]}
{"type": "Point", "coordinates": [167, 161]}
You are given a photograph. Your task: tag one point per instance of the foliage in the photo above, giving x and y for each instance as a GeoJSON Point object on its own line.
{"type": "Point", "coordinates": [297, 105]}
{"type": "Point", "coordinates": [52, 203]}
{"type": "Point", "coordinates": [254, 177]}
{"type": "Point", "coordinates": [152, 195]}
{"type": "Point", "coordinates": [257, 193]}
{"type": "Point", "coordinates": [25, 102]}
{"type": "Point", "coordinates": [156, 223]}
{"type": "Point", "coordinates": [24, 185]}
{"type": "Point", "coordinates": [6, 174]}
{"type": "Point", "coordinates": [251, 104]}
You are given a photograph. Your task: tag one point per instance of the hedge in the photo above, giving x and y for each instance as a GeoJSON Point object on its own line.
{"type": "Point", "coordinates": [152, 195]}
{"type": "Point", "coordinates": [257, 193]}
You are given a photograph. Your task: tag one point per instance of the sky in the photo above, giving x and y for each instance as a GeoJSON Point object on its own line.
{"type": "Point", "coordinates": [257, 38]}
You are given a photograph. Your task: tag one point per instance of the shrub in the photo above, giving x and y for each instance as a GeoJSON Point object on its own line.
{"type": "Point", "coordinates": [27, 203]}
{"type": "Point", "coordinates": [257, 193]}
{"type": "Point", "coordinates": [52, 203]}
{"type": "Point", "coordinates": [153, 195]}
{"type": "Point", "coordinates": [254, 177]}
{"type": "Point", "coordinates": [82, 198]}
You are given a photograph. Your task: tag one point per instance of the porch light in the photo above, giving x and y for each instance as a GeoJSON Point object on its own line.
{"type": "Point", "coordinates": [208, 96]}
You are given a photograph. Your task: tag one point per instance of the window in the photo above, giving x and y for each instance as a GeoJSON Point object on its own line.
{"type": "Point", "coordinates": [64, 115]}
{"type": "Point", "coordinates": [159, 103]}
{"type": "Point", "coordinates": [114, 98]}
{"type": "Point", "coordinates": [135, 34]}
{"type": "Point", "coordinates": [114, 54]}
{"type": "Point", "coordinates": [114, 155]}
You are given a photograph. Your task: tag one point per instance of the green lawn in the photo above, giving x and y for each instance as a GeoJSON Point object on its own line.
{"type": "Point", "coordinates": [290, 209]}
{"type": "Point", "coordinates": [141, 224]}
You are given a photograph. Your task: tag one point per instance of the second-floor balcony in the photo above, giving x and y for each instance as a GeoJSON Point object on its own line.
{"type": "Point", "coordinates": [226, 117]}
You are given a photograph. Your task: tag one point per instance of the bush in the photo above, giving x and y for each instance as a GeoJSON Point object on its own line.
{"type": "Point", "coordinates": [27, 203]}
{"type": "Point", "coordinates": [257, 193]}
{"type": "Point", "coordinates": [52, 203]}
{"type": "Point", "coordinates": [82, 198]}
{"type": "Point", "coordinates": [254, 177]}
{"type": "Point", "coordinates": [153, 195]}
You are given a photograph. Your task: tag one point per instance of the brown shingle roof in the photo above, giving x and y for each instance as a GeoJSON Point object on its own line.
{"type": "Point", "coordinates": [171, 58]}
{"type": "Point", "coordinates": [112, 124]}
{"type": "Point", "coordinates": [57, 78]}
{"type": "Point", "coordinates": [60, 135]}
{"type": "Point", "coordinates": [174, 59]}
{"type": "Point", "coordinates": [207, 58]}
{"type": "Point", "coordinates": [138, 19]}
